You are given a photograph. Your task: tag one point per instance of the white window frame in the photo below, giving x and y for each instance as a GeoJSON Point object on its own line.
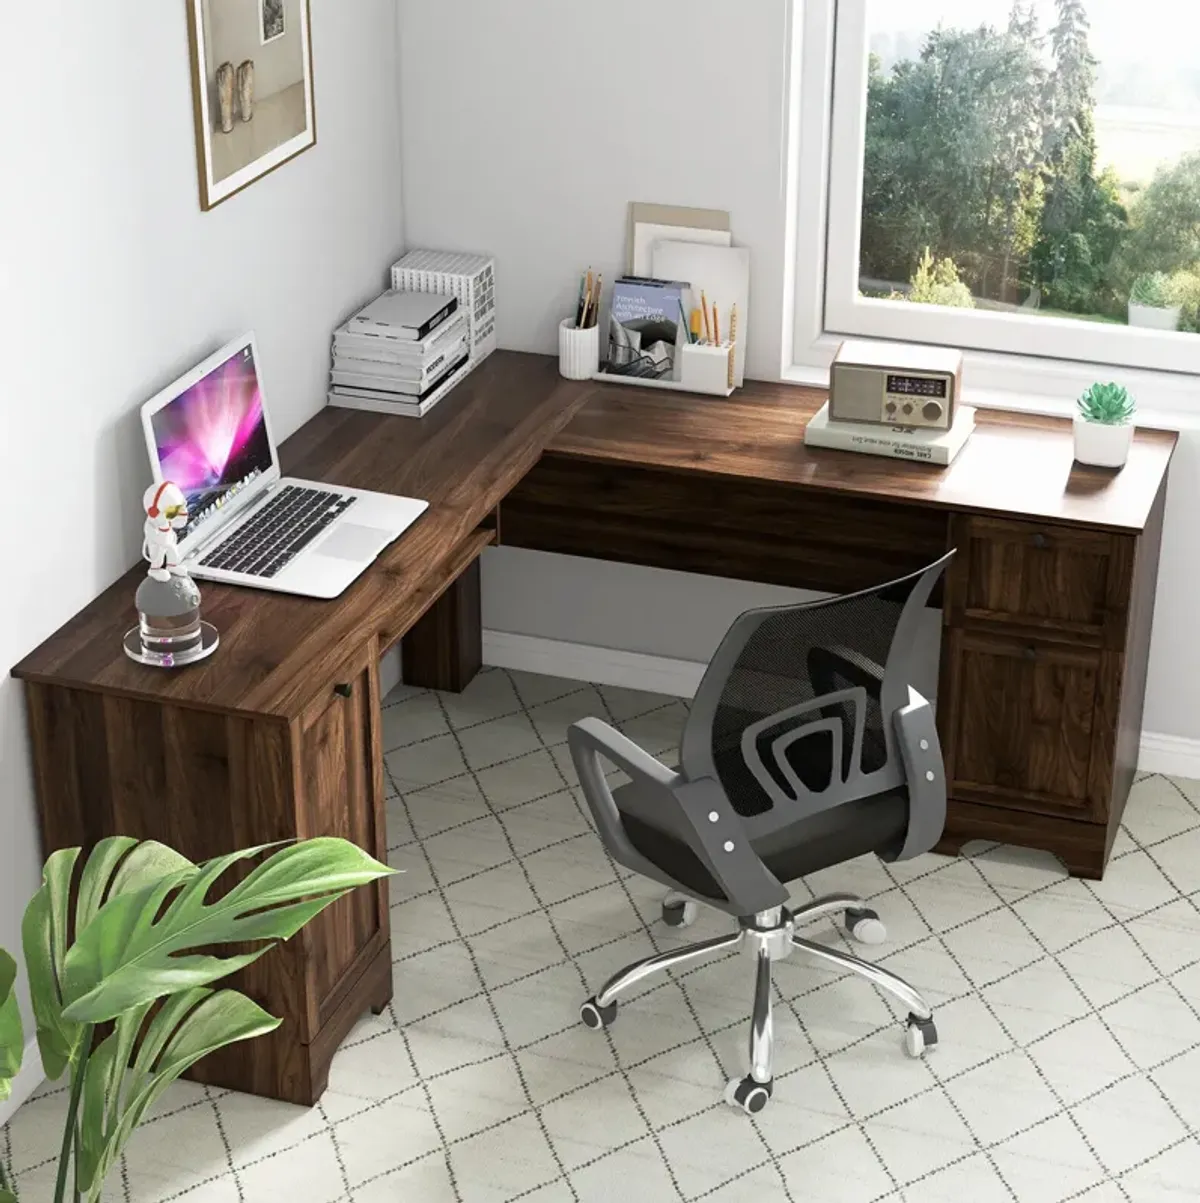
{"type": "Point", "coordinates": [825, 162]}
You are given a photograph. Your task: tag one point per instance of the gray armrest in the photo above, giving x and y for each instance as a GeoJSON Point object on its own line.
{"type": "Point", "coordinates": [592, 739]}
{"type": "Point", "coordinates": [921, 751]}
{"type": "Point", "coordinates": [722, 845]}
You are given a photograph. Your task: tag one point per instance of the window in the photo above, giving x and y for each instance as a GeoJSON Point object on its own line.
{"type": "Point", "coordinates": [1012, 177]}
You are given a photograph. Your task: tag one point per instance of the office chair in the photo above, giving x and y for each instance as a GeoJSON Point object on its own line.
{"type": "Point", "coordinates": [805, 747]}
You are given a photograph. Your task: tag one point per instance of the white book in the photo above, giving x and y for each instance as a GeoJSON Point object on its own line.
{"type": "Point", "coordinates": [354, 342]}
{"type": "Point", "coordinates": [896, 442]}
{"type": "Point", "coordinates": [366, 373]}
{"type": "Point", "coordinates": [405, 407]}
{"type": "Point", "coordinates": [404, 315]}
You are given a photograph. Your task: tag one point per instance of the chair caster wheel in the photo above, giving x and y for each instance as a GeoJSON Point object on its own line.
{"type": "Point", "coordinates": [595, 1016]}
{"type": "Point", "coordinates": [680, 912]}
{"type": "Point", "coordinates": [866, 927]}
{"type": "Point", "coordinates": [748, 1095]}
{"type": "Point", "coordinates": [919, 1037]}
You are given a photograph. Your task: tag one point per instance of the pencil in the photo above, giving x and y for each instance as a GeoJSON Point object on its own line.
{"type": "Point", "coordinates": [596, 299]}
{"type": "Point", "coordinates": [733, 324]}
{"type": "Point", "coordinates": [716, 326]}
{"type": "Point", "coordinates": [704, 313]}
{"type": "Point", "coordinates": [587, 300]}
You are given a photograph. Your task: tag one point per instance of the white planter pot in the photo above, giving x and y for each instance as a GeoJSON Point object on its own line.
{"type": "Point", "coordinates": [1151, 318]}
{"type": "Point", "coordinates": [1100, 445]}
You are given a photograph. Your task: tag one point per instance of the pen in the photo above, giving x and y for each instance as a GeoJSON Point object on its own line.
{"type": "Point", "coordinates": [581, 308]}
{"type": "Point", "coordinates": [687, 334]}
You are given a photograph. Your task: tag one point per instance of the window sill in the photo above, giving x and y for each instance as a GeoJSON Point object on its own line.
{"type": "Point", "coordinates": [1041, 386]}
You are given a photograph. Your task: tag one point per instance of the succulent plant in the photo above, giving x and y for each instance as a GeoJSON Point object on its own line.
{"type": "Point", "coordinates": [1151, 289]}
{"type": "Point", "coordinates": [1107, 405]}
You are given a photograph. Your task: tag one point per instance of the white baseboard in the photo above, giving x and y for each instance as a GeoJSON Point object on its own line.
{"type": "Point", "coordinates": [599, 665]}
{"type": "Point", "coordinates": [25, 1083]}
{"type": "Point", "coordinates": [1170, 754]}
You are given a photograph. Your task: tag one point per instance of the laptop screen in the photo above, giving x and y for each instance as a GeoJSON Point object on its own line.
{"type": "Point", "coordinates": [212, 439]}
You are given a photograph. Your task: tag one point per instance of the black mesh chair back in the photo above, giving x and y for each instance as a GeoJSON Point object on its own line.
{"type": "Point", "coordinates": [792, 716]}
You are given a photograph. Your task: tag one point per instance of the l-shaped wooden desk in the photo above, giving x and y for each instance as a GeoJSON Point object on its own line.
{"type": "Point", "coordinates": [1047, 614]}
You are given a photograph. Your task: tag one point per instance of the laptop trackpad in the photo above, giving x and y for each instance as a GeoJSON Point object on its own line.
{"type": "Point", "coordinates": [350, 542]}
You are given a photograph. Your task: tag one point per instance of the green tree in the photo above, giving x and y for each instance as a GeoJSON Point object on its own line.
{"type": "Point", "coordinates": [1083, 222]}
{"type": "Point", "coordinates": [1166, 220]}
{"type": "Point", "coordinates": [955, 140]}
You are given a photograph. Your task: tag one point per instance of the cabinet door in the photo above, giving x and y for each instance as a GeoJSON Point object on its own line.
{"type": "Point", "coordinates": [341, 794]}
{"type": "Point", "coordinates": [1030, 725]}
{"type": "Point", "coordinates": [1065, 582]}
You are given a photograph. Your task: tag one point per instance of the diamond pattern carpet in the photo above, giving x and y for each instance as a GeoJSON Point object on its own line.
{"type": "Point", "coordinates": [1069, 1012]}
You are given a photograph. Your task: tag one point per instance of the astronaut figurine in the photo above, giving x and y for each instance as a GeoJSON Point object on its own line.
{"type": "Point", "coordinates": [166, 513]}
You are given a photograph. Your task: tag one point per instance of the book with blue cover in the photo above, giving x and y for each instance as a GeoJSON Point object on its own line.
{"type": "Point", "coordinates": [646, 326]}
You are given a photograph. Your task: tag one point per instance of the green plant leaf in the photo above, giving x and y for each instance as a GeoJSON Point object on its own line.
{"type": "Point", "coordinates": [12, 1036]}
{"type": "Point", "coordinates": [116, 866]}
{"type": "Point", "coordinates": [116, 1095]}
{"type": "Point", "coordinates": [44, 940]}
{"type": "Point", "coordinates": [131, 954]}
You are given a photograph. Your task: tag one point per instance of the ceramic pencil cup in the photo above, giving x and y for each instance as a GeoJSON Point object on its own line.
{"type": "Point", "coordinates": [578, 350]}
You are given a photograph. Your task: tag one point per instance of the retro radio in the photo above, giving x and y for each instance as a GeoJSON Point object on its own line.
{"type": "Point", "coordinates": [895, 384]}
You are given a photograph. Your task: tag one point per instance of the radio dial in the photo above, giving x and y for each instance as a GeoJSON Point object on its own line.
{"type": "Point", "coordinates": [932, 411]}
{"type": "Point", "coordinates": [908, 407]}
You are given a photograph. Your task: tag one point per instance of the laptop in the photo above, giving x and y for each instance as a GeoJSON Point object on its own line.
{"type": "Point", "coordinates": [210, 434]}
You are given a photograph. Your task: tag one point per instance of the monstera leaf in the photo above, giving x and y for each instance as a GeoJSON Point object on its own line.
{"type": "Point", "coordinates": [138, 946]}
{"type": "Point", "coordinates": [115, 867]}
{"type": "Point", "coordinates": [117, 1093]}
{"type": "Point", "coordinates": [12, 1038]}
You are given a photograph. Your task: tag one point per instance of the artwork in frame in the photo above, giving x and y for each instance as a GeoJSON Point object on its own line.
{"type": "Point", "coordinates": [252, 84]}
{"type": "Point", "coordinates": [274, 20]}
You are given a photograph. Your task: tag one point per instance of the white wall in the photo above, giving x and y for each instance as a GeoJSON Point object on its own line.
{"type": "Point", "coordinates": [112, 282]}
{"type": "Point", "coordinates": [529, 126]}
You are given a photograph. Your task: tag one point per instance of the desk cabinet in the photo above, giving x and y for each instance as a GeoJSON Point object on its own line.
{"type": "Point", "coordinates": [211, 782]}
{"type": "Point", "coordinates": [1046, 606]}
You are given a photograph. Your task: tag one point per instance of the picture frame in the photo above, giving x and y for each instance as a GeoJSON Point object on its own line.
{"type": "Point", "coordinates": [272, 16]}
{"type": "Point", "coordinates": [252, 89]}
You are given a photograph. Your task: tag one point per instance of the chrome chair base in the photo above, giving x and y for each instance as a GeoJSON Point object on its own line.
{"type": "Point", "coordinates": [771, 936]}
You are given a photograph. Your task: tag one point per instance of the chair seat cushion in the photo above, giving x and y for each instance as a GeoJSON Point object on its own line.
{"type": "Point", "coordinates": [832, 837]}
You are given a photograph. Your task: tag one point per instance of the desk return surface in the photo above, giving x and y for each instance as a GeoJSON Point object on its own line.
{"type": "Point", "coordinates": [1047, 606]}
{"type": "Point", "coordinates": [278, 736]}
{"type": "Point", "coordinates": [1047, 623]}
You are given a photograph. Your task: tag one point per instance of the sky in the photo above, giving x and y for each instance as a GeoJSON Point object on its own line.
{"type": "Point", "coordinates": [1148, 84]}
{"type": "Point", "coordinates": [1123, 34]}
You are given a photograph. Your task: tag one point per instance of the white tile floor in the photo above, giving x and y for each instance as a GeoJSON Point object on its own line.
{"type": "Point", "coordinates": [1069, 1011]}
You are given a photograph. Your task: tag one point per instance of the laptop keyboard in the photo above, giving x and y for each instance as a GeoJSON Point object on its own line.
{"type": "Point", "coordinates": [287, 524]}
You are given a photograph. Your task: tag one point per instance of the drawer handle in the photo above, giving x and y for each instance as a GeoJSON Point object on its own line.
{"type": "Point", "coordinates": [344, 690]}
{"type": "Point", "coordinates": [1030, 653]}
{"type": "Point", "coordinates": [1040, 541]}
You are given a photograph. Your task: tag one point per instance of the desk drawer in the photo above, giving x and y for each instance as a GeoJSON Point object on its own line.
{"type": "Point", "coordinates": [1029, 726]}
{"type": "Point", "coordinates": [778, 534]}
{"type": "Point", "coordinates": [1068, 583]}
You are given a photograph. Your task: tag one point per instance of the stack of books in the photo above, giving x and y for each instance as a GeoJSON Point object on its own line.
{"type": "Point", "coordinates": [401, 354]}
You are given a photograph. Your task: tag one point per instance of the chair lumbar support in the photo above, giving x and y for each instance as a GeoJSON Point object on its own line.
{"type": "Point", "coordinates": [767, 937]}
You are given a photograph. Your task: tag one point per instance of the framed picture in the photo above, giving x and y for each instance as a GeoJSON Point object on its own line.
{"type": "Point", "coordinates": [252, 85]}
{"type": "Point", "coordinates": [273, 18]}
